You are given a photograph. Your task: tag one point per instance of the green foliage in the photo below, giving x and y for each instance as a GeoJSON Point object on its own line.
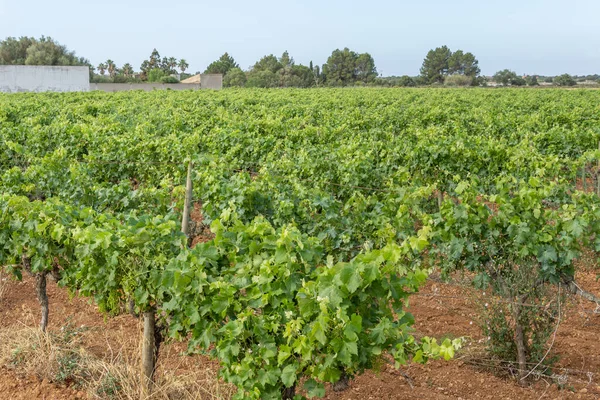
{"type": "Point", "coordinates": [223, 65]}
{"type": "Point", "coordinates": [14, 51]}
{"type": "Point", "coordinates": [323, 205]}
{"type": "Point", "coordinates": [169, 79]}
{"type": "Point", "coordinates": [262, 79]}
{"type": "Point", "coordinates": [31, 51]}
{"type": "Point", "coordinates": [442, 62]}
{"type": "Point", "coordinates": [156, 75]}
{"type": "Point", "coordinates": [564, 80]}
{"type": "Point", "coordinates": [508, 78]}
{"type": "Point", "coordinates": [538, 318]}
{"type": "Point", "coordinates": [346, 67]}
{"type": "Point", "coordinates": [532, 80]}
{"type": "Point", "coordinates": [235, 78]}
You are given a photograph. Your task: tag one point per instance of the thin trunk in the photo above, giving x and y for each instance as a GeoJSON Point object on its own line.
{"type": "Point", "coordinates": [519, 339]}
{"type": "Point", "coordinates": [148, 353]}
{"type": "Point", "coordinates": [440, 199]}
{"type": "Point", "coordinates": [342, 384]}
{"type": "Point", "coordinates": [131, 308]}
{"type": "Point", "coordinates": [584, 178]}
{"type": "Point", "coordinates": [288, 393]}
{"type": "Point", "coordinates": [40, 287]}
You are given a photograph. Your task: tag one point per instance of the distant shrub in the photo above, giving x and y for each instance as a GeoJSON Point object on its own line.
{"type": "Point", "coordinates": [564, 80]}
{"type": "Point", "coordinates": [458, 80]}
{"type": "Point", "coordinates": [169, 79]}
{"type": "Point", "coordinates": [532, 80]}
{"type": "Point", "coordinates": [406, 81]}
{"type": "Point", "coordinates": [155, 75]}
{"type": "Point", "coordinates": [101, 79]}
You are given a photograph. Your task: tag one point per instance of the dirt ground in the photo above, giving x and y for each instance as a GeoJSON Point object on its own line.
{"type": "Point", "coordinates": [440, 310]}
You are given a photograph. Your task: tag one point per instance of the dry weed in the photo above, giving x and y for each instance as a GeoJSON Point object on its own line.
{"type": "Point", "coordinates": [60, 357]}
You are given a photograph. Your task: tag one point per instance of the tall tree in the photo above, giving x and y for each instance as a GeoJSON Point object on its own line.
{"type": "Point", "coordinates": [154, 60]}
{"type": "Point", "coordinates": [267, 63]}
{"type": "Point", "coordinates": [235, 77]}
{"type": "Point", "coordinates": [111, 67]}
{"type": "Point", "coordinates": [462, 63]}
{"type": "Point", "coordinates": [285, 72]}
{"type": "Point", "coordinates": [172, 63]}
{"type": "Point", "coordinates": [365, 68]}
{"type": "Point", "coordinates": [340, 69]}
{"type": "Point", "coordinates": [102, 68]}
{"type": "Point", "coordinates": [222, 65]}
{"type": "Point", "coordinates": [183, 65]}
{"type": "Point", "coordinates": [127, 70]}
{"type": "Point", "coordinates": [14, 51]}
{"type": "Point", "coordinates": [442, 62]}
{"type": "Point", "coordinates": [435, 65]}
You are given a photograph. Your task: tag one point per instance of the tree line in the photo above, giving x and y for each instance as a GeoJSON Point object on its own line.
{"type": "Point", "coordinates": [344, 67]}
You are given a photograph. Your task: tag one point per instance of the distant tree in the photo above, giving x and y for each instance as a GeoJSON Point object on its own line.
{"type": "Point", "coordinates": [442, 62]}
{"type": "Point", "coordinates": [406, 81]}
{"type": "Point", "coordinates": [169, 79]}
{"type": "Point", "coordinates": [549, 79]}
{"type": "Point", "coordinates": [365, 68]}
{"type": "Point", "coordinates": [518, 81]}
{"type": "Point", "coordinates": [102, 68]}
{"type": "Point", "coordinates": [286, 77]}
{"type": "Point", "coordinates": [172, 64]}
{"type": "Point", "coordinates": [127, 70]}
{"type": "Point", "coordinates": [263, 79]}
{"type": "Point", "coordinates": [155, 75]}
{"type": "Point", "coordinates": [564, 80]}
{"type": "Point", "coordinates": [436, 65]}
{"type": "Point", "coordinates": [111, 67]}
{"type": "Point", "coordinates": [305, 76]}
{"type": "Point", "coordinates": [507, 77]}
{"type": "Point", "coordinates": [461, 63]}
{"type": "Point", "coordinates": [154, 60]}
{"type": "Point", "coordinates": [340, 69]}
{"type": "Point", "coordinates": [145, 67]}
{"type": "Point", "coordinates": [222, 65]}
{"type": "Point", "coordinates": [532, 80]}
{"type": "Point", "coordinates": [14, 51]}
{"type": "Point", "coordinates": [316, 74]}
{"type": "Point", "coordinates": [183, 65]}
{"type": "Point", "coordinates": [267, 63]}
{"type": "Point", "coordinates": [235, 77]}
{"type": "Point", "coordinates": [43, 51]}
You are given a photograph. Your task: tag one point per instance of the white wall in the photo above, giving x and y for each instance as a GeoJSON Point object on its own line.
{"type": "Point", "coordinates": [34, 78]}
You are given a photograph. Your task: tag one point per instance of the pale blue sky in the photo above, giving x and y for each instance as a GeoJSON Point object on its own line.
{"type": "Point", "coordinates": [545, 37]}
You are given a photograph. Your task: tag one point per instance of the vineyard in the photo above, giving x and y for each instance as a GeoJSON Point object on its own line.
{"type": "Point", "coordinates": [323, 214]}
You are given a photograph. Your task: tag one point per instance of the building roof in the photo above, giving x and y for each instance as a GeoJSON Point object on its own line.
{"type": "Point", "coordinates": [192, 79]}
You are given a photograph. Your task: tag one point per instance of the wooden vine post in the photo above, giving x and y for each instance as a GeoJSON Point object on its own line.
{"type": "Point", "coordinates": [151, 341]}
